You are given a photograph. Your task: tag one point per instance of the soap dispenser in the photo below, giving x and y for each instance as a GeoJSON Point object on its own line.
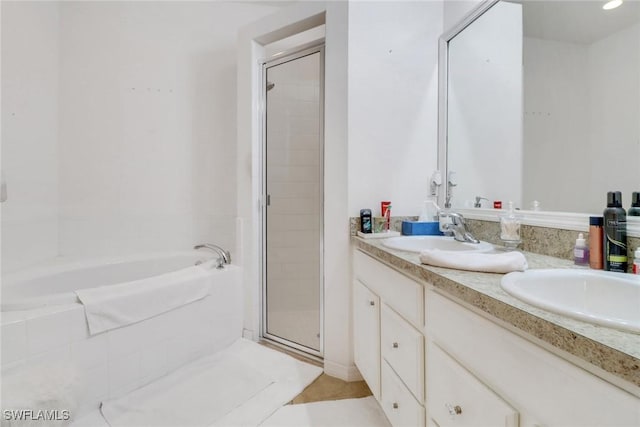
{"type": "Point", "coordinates": [510, 228]}
{"type": "Point", "coordinates": [429, 211]}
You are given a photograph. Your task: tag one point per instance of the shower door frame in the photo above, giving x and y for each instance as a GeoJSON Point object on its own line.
{"type": "Point", "coordinates": [278, 59]}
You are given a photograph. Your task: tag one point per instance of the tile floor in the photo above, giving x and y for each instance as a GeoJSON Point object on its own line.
{"type": "Point", "coordinates": [324, 387]}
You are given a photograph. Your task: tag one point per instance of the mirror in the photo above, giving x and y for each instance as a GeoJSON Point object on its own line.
{"type": "Point", "coordinates": [542, 104]}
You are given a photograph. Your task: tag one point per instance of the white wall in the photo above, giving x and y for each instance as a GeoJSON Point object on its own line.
{"type": "Point", "coordinates": [380, 110]}
{"type": "Point", "coordinates": [485, 108]}
{"type": "Point", "coordinates": [581, 127]}
{"type": "Point", "coordinates": [556, 124]}
{"type": "Point", "coordinates": [393, 92]}
{"type": "Point", "coordinates": [614, 82]}
{"type": "Point", "coordinates": [30, 48]}
{"type": "Point", "coordinates": [118, 126]}
{"type": "Point", "coordinates": [456, 10]}
{"type": "Point", "coordinates": [147, 124]}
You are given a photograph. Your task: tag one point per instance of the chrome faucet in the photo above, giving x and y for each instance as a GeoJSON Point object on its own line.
{"type": "Point", "coordinates": [457, 227]}
{"type": "Point", "coordinates": [478, 203]}
{"type": "Point", "coordinates": [224, 256]}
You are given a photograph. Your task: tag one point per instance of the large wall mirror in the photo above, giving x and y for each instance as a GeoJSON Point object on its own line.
{"type": "Point", "coordinates": [540, 102]}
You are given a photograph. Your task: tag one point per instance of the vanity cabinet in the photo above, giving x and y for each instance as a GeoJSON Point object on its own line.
{"type": "Point", "coordinates": [486, 371]}
{"type": "Point", "coordinates": [388, 313]}
{"type": "Point", "coordinates": [433, 360]}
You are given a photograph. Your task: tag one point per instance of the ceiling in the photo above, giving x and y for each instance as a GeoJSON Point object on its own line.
{"type": "Point", "coordinates": [576, 21]}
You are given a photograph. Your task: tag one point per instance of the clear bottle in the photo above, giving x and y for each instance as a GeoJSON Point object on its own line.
{"type": "Point", "coordinates": [429, 211]}
{"type": "Point", "coordinates": [581, 251]}
{"type": "Point", "coordinates": [510, 228]}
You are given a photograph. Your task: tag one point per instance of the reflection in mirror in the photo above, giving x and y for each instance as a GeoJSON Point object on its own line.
{"type": "Point", "coordinates": [544, 105]}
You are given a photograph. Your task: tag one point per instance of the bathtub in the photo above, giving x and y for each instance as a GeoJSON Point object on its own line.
{"type": "Point", "coordinates": [55, 284]}
{"type": "Point", "coordinates": [44, 328]}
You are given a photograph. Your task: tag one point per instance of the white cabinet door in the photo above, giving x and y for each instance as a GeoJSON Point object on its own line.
{"type": "Point", "coordinates": [457, 398]}
{"type": "Point", "coordinates": [366, 335]}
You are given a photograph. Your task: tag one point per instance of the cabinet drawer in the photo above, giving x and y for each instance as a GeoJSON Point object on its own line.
{"type": "Point", "coordinates": [457, 398]}
{"type": "Point", "coordinates": [402, 409]}
{"type": "Point", "coordinates": [403, 294]}
{"type": "Point", "coordinates": [403, 348]}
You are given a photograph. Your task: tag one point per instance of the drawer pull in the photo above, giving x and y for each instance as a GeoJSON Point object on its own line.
{"type": "Point", "coordinates": [453, 410]}
{"type": "Point", "coordinates": [395, 405]}
{"type": "Point", "coordinates": [395, 345]}
{"type": "Point", "coordinates": [372, 303]}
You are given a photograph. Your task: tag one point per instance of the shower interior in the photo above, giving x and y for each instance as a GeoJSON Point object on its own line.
{"type": "Point", "coordinates": [292, 261]}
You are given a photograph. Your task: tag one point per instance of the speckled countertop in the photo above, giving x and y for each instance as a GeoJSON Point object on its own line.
{"type": "Point", "coordinates": [613, 351]}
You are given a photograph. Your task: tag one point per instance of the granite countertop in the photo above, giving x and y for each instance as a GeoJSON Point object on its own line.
{"type": "Point", "coordinates": [613, 351]}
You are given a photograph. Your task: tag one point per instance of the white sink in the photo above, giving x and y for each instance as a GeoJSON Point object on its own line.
{"type": "Point", "coordinates": [445, 243]}
{"type": "Point", "coordinates": [600, 297]}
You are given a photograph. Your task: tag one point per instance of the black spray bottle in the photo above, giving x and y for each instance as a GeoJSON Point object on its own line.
{"type": "Point", "coordinates": [615, 234]}
{"type": "Point", "coordinates": [635, 204]}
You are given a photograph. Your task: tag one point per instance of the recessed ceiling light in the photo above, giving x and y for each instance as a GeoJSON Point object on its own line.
{"type": "Point", "coordinates": [612, 4]}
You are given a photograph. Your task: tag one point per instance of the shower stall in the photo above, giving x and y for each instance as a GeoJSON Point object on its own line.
{"type": "Point", "coordinates": [293, 193]}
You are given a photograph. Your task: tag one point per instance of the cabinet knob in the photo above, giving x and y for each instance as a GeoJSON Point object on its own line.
{"type": "Point", "coordinates": [395, 405]}
{"type": "Point", "coordinates": [395, 345]}
{"type": "Point", "coordinates": [453, 410]}
{"type": "Point", "coordinates": [372, 303]}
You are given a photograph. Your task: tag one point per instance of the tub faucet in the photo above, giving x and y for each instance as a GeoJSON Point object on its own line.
{"type": "Point", "coordinates": [224, 256]}
{"type": "Point", "coordinates": [458, 227]}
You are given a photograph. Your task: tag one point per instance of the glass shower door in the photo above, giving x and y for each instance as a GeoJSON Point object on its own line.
{"type": "Point", "coordinates": [292, 293]}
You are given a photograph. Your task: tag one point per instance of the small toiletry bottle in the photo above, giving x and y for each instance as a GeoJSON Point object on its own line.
{"type": "Point", "coordinates": [635, 204]}
{"type": "Point", "coordinates": [595, 242]}
{"type": "Point", "coordinates": [365, 221]}
{"type": "Point", "coordinates": [387, 218]}
{"type": "Point", "coordinates": [636, 262]}
{"type": "Point", "coordinates": [580, 251]}
{"type": "Point", "coordinates": [615, 234]}
{"type": "Point", "coordinates": [510, 228]}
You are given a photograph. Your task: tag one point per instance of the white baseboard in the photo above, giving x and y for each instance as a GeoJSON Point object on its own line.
{"type": "Point", "coordinates": [346, 373]}
{"type": "Point", "coordinates": [249, 335]}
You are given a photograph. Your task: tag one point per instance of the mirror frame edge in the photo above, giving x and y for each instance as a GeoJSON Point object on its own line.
{"type": "Point", "coordinates": [550, 219]}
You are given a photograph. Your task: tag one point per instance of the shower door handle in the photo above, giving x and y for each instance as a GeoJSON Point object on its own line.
{"type": "Point", "coordinates": [268, 199]}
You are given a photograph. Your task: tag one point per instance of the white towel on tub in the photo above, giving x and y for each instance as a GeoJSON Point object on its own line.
{"type": "Point", "coordinates": [113, 306]}
{"type": "Point", "coordinates": [504, 262]}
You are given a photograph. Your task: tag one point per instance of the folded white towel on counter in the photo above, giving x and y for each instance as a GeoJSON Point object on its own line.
{"type": "Point", "coordinates": [113, 306]}
{"type": "Point", "coordinates": [504, 262]}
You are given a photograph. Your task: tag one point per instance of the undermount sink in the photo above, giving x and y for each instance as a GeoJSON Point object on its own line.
{"type": "Point", "coordinates": [600, 297]}
{"type": "Point", "coordinates": [445, 243]}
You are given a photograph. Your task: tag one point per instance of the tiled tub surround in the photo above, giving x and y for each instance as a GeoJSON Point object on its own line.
{"type": "Point", "coordinates": [113, 363]}
{"type": "Point", "coordinates": [612, 354]}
